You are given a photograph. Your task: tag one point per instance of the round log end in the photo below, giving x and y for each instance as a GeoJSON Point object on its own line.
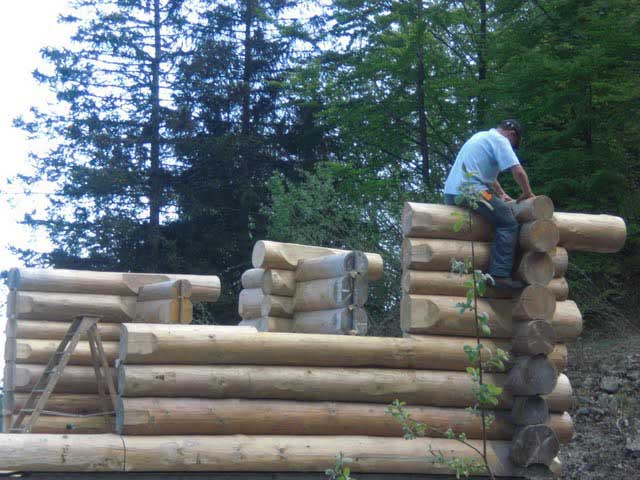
{"type": "Point", "coordinates": [529, 410]}
{"type": "Point", "coordinates": [534, 444]}
{"type": "Point", "coordinates": [536, 268]}
{"type": "Point", "coordinates": [360, 262]}
{"type": "Point", "coordinates": [360, 321]}
{"type": "Point", "coordinates": [535, 375]}
{"type": "Point", "coordinates": [535, 302]}
{"type": "Point", "coordinates": [13, 279]}
{"type": "Point", "coordinates": [542, 235]}
{"type": "Point", "coordinates": [407, 219]}
{"type": "Point", "coordinates": [258, 254]}
{"type": "Point", "coordinates": [533, 338]}
{"type": "Point", "coordinates": [542, 207]}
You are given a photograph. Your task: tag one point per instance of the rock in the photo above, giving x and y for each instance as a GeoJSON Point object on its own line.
{"type": "Point", "coordinates": [610, 384]}
{"type": "Point", "coordinates": [633, 444]}
{"type": "Point", "coordinates": [583, 411]}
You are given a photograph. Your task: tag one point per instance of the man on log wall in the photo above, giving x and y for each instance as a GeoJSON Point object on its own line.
{"type": "Point", "coordinates": [477, 165]}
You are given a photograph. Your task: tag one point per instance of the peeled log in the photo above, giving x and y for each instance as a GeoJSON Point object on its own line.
{"type": "Point", "coordinates": [279, 282]}
{"type": "Point", "coordinates": [536, 208]}
{"type": "Point", "coordinates": [49, 330]}
{"type": "Point", "coordinates": [534, 444]}
{"type": "Point", "coordinates": [532, 375]}
{"type": "Point", "coordinates": [533, 338]}
{"type": "Point", "coordinates": [204, 345]}
{"type": "Point", "coordinates": [530, 410]}
{"type": "Point", "coordinates": [276, 306]}
{"type": "Point", "coordinates": [66, 306]}
{"type": "Point", "coordinates": [371, 385]}
{"type": "Point", "coordinates": [439, 315]}
{"type": "Point", "coordinates": [73, 403]}
{"type": "Point", "coordinates": [268, 324]}
{"type": "Point", "coordinates": [252, 278]}
{"type": "Point", "coordinates": [179, 310]}
{"type": "Point", "coordinates": [276, 255]}
{"type": "Point", "coordinates": [560, 288]}
{"type": "Point", "coordinates": [104, 453]}
{"type": "Point", "coordinates": [205, 288]}
{"type": "Point", "coordinates": [194, 416]}
{"type": "Point", "coordinates": [436, 254]}
{"type": "Point", "coordinates": [40, 351]}
{"type": "Point", "coordinates": [332, 266]}
{"type": "Point", "coordinates": [250, 303]}
{"type": "Point", "coordinates": [535, 268]}
{"type": "Point", "coordinates": [591, 233]}
{"type": "Point", "coordinates": [324, 294]}
{"type": "Point", "coordinates": [332, 322]}
{"type": "Point", "coordinates": [538, 236]}
{"type": "Point", "coordinates": [533, 303]}
{"type": "Point", "coordinates": [71, 425]}
{"type": "Point", "coordinates": [74, 379]}
{"type": "Point", "coordinates": [560, 258]}
{"type": "Point", "coordinates": [165, 290]}
{"type": "Point", "coordinates": [430, 220]}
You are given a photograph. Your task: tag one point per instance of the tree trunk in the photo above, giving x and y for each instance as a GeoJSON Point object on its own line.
{"type": "Point", "coordinates": [421, 98]}
{"type": "Point", "coordinates": [482, 66]}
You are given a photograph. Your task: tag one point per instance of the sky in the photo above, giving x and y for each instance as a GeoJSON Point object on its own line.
{"type": "Point", "coordinates": [25, 27]}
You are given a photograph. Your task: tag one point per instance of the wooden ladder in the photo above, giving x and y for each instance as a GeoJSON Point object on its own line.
{"type": "Point", "coordinates": [53, 371]}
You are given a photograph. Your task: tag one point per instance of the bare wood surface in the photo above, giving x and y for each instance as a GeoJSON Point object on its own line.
{"type": "Point", "coordinates": [205, 288]}
{"type": "Point", "coordinates": [252, 278]}
{"type": "Point", "coordinates": [40, 351]}
{"type": "Point", "coordinates": [250, 303]}
{"type": "Point", "coordinates": [170, 289]}
{"type": "Point", "coordinates": [276, 255]}
{"type": "Point", "coordinates": [532, 375]}
{"type": "Point", "coordinates": [591, 233]}
{"type": "Point", "coordinates": [538, 236]}
{"type": "Point", "coordinates": [371, 385]}
{"type": "Point", "coordinates": [439, 315]}
{"type": "Point", "coordinates": [177, 310]}
{"type": "Point", "coordinates": [192, 416]}
{"type": "Point", "coordinates": [70, 425]}
{"type": "Point", "coordinates": [50, 330]}
{"type": "Point", "coordinates": [332, 322]}
{"type": "Point", "coordinates": [560, 258]}
{"type": "Point", "coordinates": [533, 303]}
{"type": "Point", "coordinates": [323, 294]}
{"type": "Point", "coordinates": [268, 324]}
{"type": "Point", "coordinates": [332, 266]}
{"type": "Point", "coordinates": [535, 268]}
{"type": "Point", "coordinates": [537, 208]}
{"type": "Point", "coordinates": [277, 306]}
{"type": "Point", "coordinates": [560, 288]}
{"type": "Point", "coordinates": [75, 379]}
{"type": "Point", "coordinates": [73, 403]}
{"type": "Point", "coordinates": [279, 282]}
{"type": "Point", "coordinates": [533, 338]}
{"type": "Point", "coordinates": [534, 444]}
{"type": "Point", "coordinates": [430, 220]}
{"type": "Point", "coordinates": [530, 410]}
{"type": "Point", "coordinates": [435, 254]}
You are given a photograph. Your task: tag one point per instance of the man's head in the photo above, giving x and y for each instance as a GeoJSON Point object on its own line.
{"type": "Point", "coordinates": [511, 129]}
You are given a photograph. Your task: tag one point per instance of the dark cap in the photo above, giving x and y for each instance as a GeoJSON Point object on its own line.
{"type": "Point", "coordinates": [513, 125]}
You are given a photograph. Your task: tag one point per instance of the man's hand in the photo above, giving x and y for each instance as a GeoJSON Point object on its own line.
{"type": "Point", "coordinates": [506, 198]}
{"type": "Point", "coordinates": [525, 196]}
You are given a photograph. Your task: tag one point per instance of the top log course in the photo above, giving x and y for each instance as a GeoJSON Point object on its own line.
{"type": "Point", "coordinates": [205, 288]}
{"type": "Point", "coordinates": [107, 453]}
{"type": "Point", "coordinates": [272, 282]}
{"type": "Point", "coordinates": [206, 345]}
{"type": "Point", "coordinates": [577, 231]}
{"type": "Point", "coordinates": [332, 266]}
{"type": "Point", "coordinates": [275, 255]}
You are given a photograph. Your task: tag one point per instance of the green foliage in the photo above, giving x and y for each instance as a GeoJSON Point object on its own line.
{"type": "Point", "coordinates": [339, 471]}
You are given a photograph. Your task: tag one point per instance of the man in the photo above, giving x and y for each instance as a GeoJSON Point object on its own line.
{"type": "Point", "coordinates": [482, 158]}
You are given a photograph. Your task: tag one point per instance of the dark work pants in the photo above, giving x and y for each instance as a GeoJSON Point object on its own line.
{"type": "Point", "coordinates": [506, 230]}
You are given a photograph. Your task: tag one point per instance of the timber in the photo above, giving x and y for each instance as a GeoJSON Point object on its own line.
{"type": "Point", "coordinates": [170, 289]}
{"type": "Point", "coordinates": [533, 338]}
{"type": "Point", "coordinates": [205, 288]}
{"type": "Point", "coordinates": [74, 379]}
{"type": "Point", "coordinates": [250, 303]}
{"type": "Point", "coordinates": [535, 268]}
{"type": "Point", "coordinates": [40, 351]}
{"type": "Point", "coordinates": [192, 416]}
{"type": "Point", "coordinates": [66, 425]}
{"type": "Point", "coordinates": [279, 282]}
{"type": "Point", "coordinates": [332, 266]}
{"type": "Point", "coordinates": [532, 375]}
{"type": "Point", "coordinates": [591, 233]}
{"type": "Point", "coordinates": [530, 410]}
{"type": "Point", "coordinates": [369, 385]}
{"type": "Point", "coordinates": [204, 345]}
{"type": "Point", "coordinates": [534, 445]}
{"type": "Point", "coordinates": [435, 254]}
{"type": "Point", "coordinates": [268, 324]}
{"type": "Point", "coordinates": [429, 220]}
{"type": "Point", "coordinates": [325, 294]}
{"type": "Point", "coordinates": [73, 403]}
{"type": "Point", "coordinates": [332, 322]}
{"type": "Point", "coordinates": [66, 306]}
{"type": "Point", "coordinates": [453, 284]}
{"type": "Point", "coordinates": [50, 330]}
{"type": "Point", "coordinates": [439, 315]}
{"type": "Point", "coordinates": [538, 236]}
{"type": "Point", "coordinates": [276, 306]}
{"type": "Point", "coordinates": [177, 310]}
{"type": "Point", "coordinates": [560, 258]}
{"type": "Point", "coordinates": [534, 302]}
{"type": "Point", "coordinates": [227, 453]}
{"type": "Point", "coordinates": [252, 278]}
{"type": "Point", "coordinates": [276, 255]}
{"type": "Point", "coordinates": [536, 208]}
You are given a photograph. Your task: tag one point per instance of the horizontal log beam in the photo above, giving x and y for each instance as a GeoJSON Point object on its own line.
{"type": "Point", "coordinates": [591, 233]}
{"type": "Point", "coordinates": [74, 379]}
{"type": "Point", "coordinates": [50, 330]}
{"type": "Point", "coordinates": [40, 351]}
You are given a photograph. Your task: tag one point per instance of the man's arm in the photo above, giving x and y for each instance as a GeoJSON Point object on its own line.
{"type": "Point", "coordinates": [521, 178]}
{"type": "Point", "coordinates": [500, 191]}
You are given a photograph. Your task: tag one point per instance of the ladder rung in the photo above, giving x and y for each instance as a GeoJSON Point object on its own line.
{"type": "Point", "coordinates": [17, 430]}
{"type": "Point", "coordinates": [39, 390]}
{"type": "Point", "coordinates": [26, 410]}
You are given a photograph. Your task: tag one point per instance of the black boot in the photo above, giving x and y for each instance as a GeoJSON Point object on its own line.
{"type": "Point", "coordinates": [507, 283]}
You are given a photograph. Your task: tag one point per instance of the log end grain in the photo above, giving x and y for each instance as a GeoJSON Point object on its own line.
{"type": "Point", "coordinates": [534, 444]}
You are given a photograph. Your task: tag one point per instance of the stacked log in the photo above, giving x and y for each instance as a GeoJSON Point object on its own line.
{"type": "Point", "coordinates": [307, 289]}
{"type": "Point", "coordinates": [530, 322]}
{"type": "Point", "coordinates": [42, 304]}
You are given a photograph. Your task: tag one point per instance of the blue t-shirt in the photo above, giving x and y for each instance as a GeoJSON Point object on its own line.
{"type": "Point", "coordinates": [486, 154]}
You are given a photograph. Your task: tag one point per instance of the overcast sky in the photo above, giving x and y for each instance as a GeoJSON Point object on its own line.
{"type": "Point", "coordinates": [25, 27]}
